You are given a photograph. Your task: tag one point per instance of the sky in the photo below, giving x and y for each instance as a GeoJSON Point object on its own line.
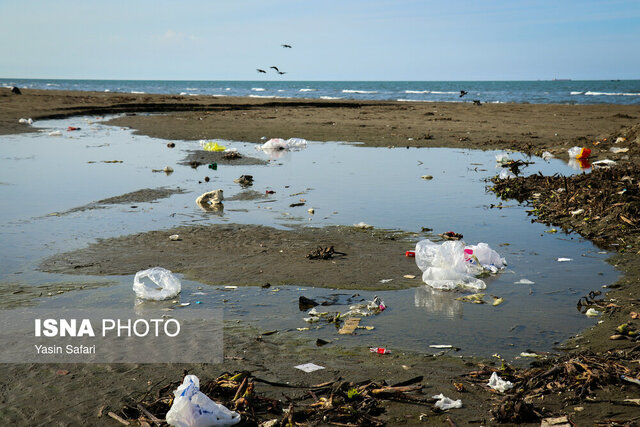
{"type": "Point", "coordinates": [400, 40]}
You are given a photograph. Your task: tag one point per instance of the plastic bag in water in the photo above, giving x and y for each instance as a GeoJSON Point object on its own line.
{"type": "Point", "coordinates": [452, 264]}
{"type": "Point", "coordinates": [166, 284]}
{"type": "Point", "coordinates": [192, 408]}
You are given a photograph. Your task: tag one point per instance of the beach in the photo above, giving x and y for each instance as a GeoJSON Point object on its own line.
{"type": "Point", "coordinates": [85, 393]}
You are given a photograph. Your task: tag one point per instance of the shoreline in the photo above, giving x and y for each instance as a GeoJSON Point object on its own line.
{"type": "Point", "coordinates": [524, 127]}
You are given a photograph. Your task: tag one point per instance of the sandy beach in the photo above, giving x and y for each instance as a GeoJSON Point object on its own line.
{"type": "Point", "coordinates": [85, 393]}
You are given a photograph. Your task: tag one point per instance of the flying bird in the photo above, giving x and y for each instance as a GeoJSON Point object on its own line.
{"type": "Point", "coordinates": [275, 68]}
{"type": "Point", "coordinates": [463, 93]}
{"type": "Point", "coordinates": [282, 72]}
{"type": "Point", "coordinates": [260, 71]}
{"type": "Point", "coordinates": [286, 45]}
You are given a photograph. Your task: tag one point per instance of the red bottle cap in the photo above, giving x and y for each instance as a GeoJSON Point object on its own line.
{"type": "Point", "coordinates": [410, 253]}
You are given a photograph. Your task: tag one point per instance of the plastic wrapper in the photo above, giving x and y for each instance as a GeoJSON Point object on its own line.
{"type": "Point", "coordinates": [452, 264]}
{"type": "Point", "coordinates": [192, 408]}
{"type": "Point", "coordinates": [165, 284]}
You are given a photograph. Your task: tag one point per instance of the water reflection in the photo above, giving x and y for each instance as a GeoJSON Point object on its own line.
{"type": "Point", "coordinates": [436, 301]}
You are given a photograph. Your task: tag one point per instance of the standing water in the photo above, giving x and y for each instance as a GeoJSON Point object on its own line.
{"type": "Point", "coordinates": [48, 184]}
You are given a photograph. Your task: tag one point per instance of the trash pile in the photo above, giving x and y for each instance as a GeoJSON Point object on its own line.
{"type": "Point", "coordinates": [574, 377]}
{"type": "Point", "coordinates": [234, 398]}
{"type": "Point", "coordinates": [346, 322]}
{"type": "Point", "coordinates": [510, 167]}
{"type": "Point", "coordinates": [452, 264]}
{"type": "Point", "coordinates": [603, 206]}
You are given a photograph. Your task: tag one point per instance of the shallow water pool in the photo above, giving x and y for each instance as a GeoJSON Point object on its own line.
{"type": "Point", "coordinates": [43, 179]}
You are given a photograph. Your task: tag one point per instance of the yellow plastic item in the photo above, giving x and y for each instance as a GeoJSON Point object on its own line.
{"type": "Point", "coordinates": [213, 146]}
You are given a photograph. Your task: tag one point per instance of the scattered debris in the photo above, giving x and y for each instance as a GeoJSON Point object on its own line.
{"type": "Point", "coordinates": [524, 282]}
{"type": "Point", "coordinates": [427, 177]}
{"type": "Point", "coordinates": [324, 253]}
{"type": "Point", "coordinates": [166, 285]}
{"type": "Point", "coordinates": [564, 259]}
{"type": "Point", "coordinates": [244, 180]}
{"type": "Point", "coordinates": [379, 350]}
{"type": "Point", "coordinates": [350, 325]}
{"type": "Point", "coordinates": [232, 155]}
{"type": "Point", "coordinates": [174, 237]}
{"type": "Point", "coordinates": [451, 235]}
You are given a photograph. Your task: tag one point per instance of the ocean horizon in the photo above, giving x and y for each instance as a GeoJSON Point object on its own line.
{"type": "Point", "coordinates": [557, 91]}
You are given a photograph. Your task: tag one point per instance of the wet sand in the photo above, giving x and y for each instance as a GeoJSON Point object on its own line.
{"type": "Point", "coordinates": [530, 128]}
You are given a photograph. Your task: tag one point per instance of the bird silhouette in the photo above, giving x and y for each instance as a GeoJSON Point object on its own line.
{"type": "Point", "coordinates": [282, 72]}
{"type": "Point", "coordinates": [275, 68]}
{"type": "Point", "coordinates": [260, 71]}
{"type": "Point", "coordinates": [463, 93]}
{"type": "Point", "coordinates": [286, 45]}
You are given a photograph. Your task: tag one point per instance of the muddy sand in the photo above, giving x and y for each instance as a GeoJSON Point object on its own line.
{"type": "Point", "coordinates": [83, 394]}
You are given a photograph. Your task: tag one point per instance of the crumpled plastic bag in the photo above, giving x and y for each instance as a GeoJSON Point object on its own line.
{"type": "Point", "coordinates": [497, 383]}
{"type": "Point", "coordinates": [445, 403]}
{"type": "Point", "coordinates": [167, 285]}
{"type": "Point", "coordinates": [281, 144]}
{"type": "Point", "coordinates": [192, 408]}
{"type": "Point", "coordinates": [452, 264]}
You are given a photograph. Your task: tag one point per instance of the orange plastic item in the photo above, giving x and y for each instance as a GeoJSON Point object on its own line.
{"type": "Point", "coordinates": [584, 153]}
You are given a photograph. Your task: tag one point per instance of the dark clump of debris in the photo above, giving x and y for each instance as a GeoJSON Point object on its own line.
{"type": "Point", "coordinates": [603, 206]}
{"type": "Point", "coordinates": [323, 253]}
{"type": "Point", "coordinates": [232, 155]}
{"type": "Point", "coordinates": [244, 180]}
{"type": "Point", "coordinates": [331, 403]}
{"type": "Point", "coordinates": [573, 378]}
{"type": "Point", "coordinates": [451, 235]}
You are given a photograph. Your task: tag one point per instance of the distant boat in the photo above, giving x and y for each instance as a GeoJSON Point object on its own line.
{"type": "Point", "coordinates": [560, 80]}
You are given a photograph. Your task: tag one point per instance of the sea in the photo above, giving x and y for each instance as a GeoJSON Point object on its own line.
{"type": "Point", "coordinates": [559, 91]}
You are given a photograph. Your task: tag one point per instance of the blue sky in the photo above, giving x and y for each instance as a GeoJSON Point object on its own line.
{"type": "Point", "coordinates": [332, 40]}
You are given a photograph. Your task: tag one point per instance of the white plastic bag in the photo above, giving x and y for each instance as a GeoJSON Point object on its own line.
{"type": "Point", "coordinates": [452, 264]}
{"type": "Point", "coordinates": [497, 383]}
{"type": "Point", "coordinates": [445, 403]}
{"type": "Point", "coordinates": [166, 284]}
{"type": "Point", "coordinates": [192, 408]}
{"type": "Point", "coordinates": [275, 144]}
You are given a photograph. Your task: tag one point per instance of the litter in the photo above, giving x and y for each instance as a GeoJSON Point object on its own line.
{"type": "Point", "coordinates": [451, 235]}
{"type": "Point", "coordinates": [28, 121]}
{"type": "Point", "coordinates": [564, 259]}
{"type": "Point", "coordinates": [244, 180]}
{"type": "Point", "coordinates": [592, 313]}
{"type": "Point", "coordinates": [441, 346]}
{"type": "Point", "coordinates": [620, 139]}
{"type": "Point", "coordinates": [363, 226]}
{"type": "Point", "coordinates": [72, 128]}
{"type": "Point", "coordinates": [386, 280]}
{"type": "Point", "coordinates": [631, 380]}
{"type": "Point", "coordinates": [445, 403]}
{"type": "Point", "coordinates": [309, 367]}
{"type": "Point", "coordinates": [579, 153]}
{"type": "Point", "coordinates": [502, 158]}
{"type": "Point", "coordinates": [192, 408]}
{"type": "Point", "coordinates": [350, 325]}
{"type": "Point", "coordinates": [275, 144]}
{"type": "Point", "coordinates": [506, 174]}
{"type": "Point", "coordinates": [616, 150]}
{"type": "Point", "coordinates": [473, 298]}
{"type": "Point", "coordinates": [55, 133]}
{"type": "Point", "coordinates": [376, 306]}
{"type": "Point", "coordinates": [497, 383]}
{"type": "Point", "coordinates": [410, 254]}
{"type": "Point", "coordinates": [452, 264]}
{"type": "Point", "coordinates": [379, 350]}
{"type": "Point", "coordinates": [212, 146]}
{"type": "Point", "coordinates": [577, 212]}
{"type": "Point", "coordinates": [524, 282]}
{"type": "Point", "coordinates": [167, 285]}
{"type": "Point", "coordinates": [556, 422]}
{"type": "Point", "coordinates": [174, 237]}
{"type": "Point", "coordinates": [311, 211]}
{"type": "Point", "coordinates": [427, 177]}
{"type": "Point", "coordinates": [497, 300]}
{"type": "Point", "coordinates": [605, 163]}
{"type": "Point", "coordinates": [547, 155]}
{"type": "Point", "coordinates": [211, 200]}
{"type": "Point", "coordinates": [409, 276]}
{"type": "Point", "coordinates": [231, 287]}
